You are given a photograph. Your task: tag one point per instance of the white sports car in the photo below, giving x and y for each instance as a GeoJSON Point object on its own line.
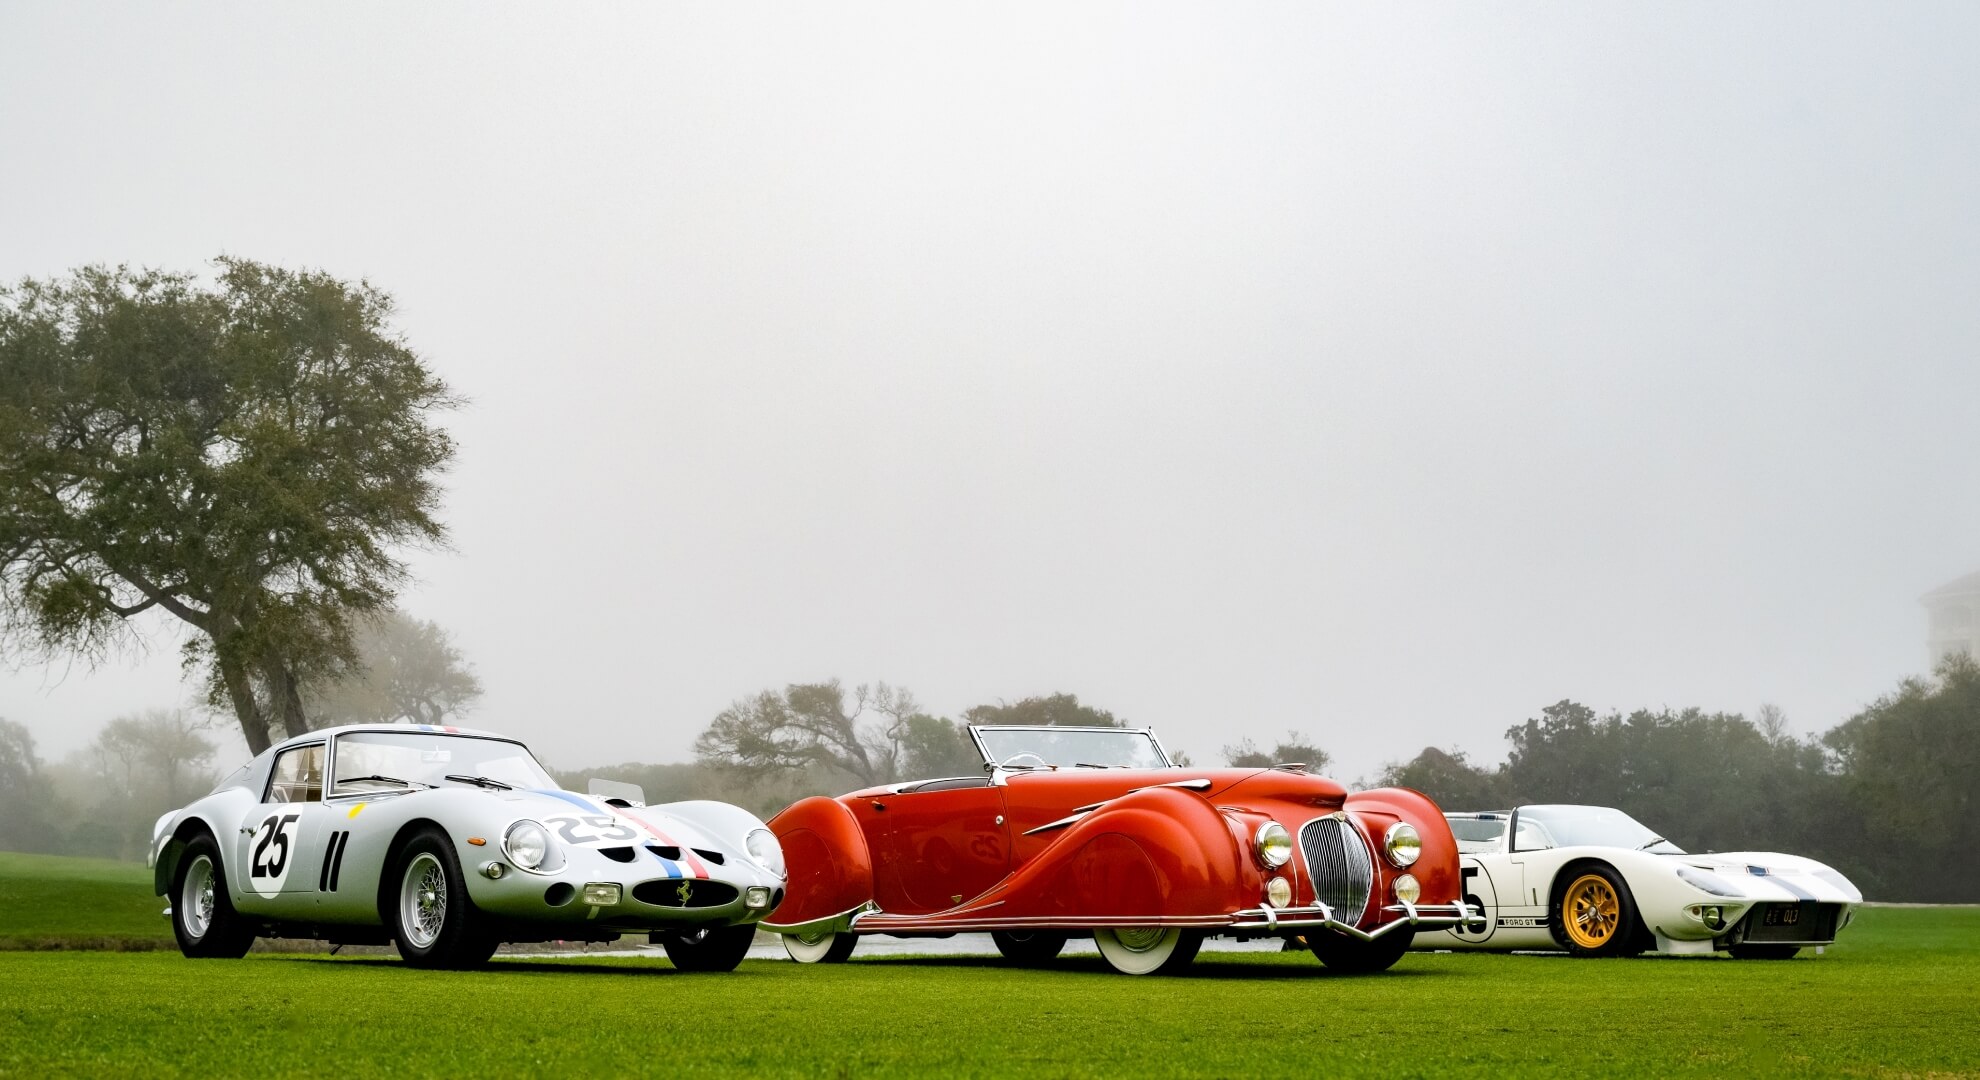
{"type": "Point", "coordinates": [1596, 882]}
{"type": "Point", "coordinates": [450, 842]}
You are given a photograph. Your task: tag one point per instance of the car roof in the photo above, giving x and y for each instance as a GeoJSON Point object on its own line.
{"type": "Point", "coordinates": [320, 734]}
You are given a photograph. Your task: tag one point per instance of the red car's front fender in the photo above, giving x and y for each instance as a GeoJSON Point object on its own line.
{"type": "Point", "coordinates": [828, 869]}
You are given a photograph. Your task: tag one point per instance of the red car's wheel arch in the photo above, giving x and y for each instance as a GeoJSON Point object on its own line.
{"type": "Point", "coordinates": [1436, 866]}
{"type": "Point", "coordinates": [828, 869]}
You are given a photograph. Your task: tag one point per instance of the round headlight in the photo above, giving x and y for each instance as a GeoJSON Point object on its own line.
{"type": "Point", "coordinates": [764, 848]}
{"type": "Point", "coordinates": [1408, 890]}
{"type": "Point", "coordinates": [528, 845]}
{"type": "Point", "coordinates": [1278, 892]}
{"type": "Point", "coordinates": [1402, 844]}
{"type": "Point", "coordinates": [1274, 844]}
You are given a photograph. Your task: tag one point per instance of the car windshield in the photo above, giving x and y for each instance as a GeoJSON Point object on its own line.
{"type": "Point", "coordinates": [1478, 835]}
{"type": "Point", "coordinates": [382, 760]}
{"type": "Point", "coordinates": [1068, 747]}
{"type": "Point", "coordinates": [1586, 826]}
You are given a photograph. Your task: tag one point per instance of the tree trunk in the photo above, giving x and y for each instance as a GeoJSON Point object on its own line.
{"type": "Point", "coordinates": [240, 691]}
{"type": "Point", "coordinates": [285, 695]}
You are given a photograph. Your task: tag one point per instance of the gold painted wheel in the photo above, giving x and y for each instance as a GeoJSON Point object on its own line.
{"type": "Point", "coordinates": [1590, 911]}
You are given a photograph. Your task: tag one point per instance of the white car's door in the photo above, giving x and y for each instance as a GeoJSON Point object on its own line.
{"type": "Point", "coordinates": [278, 851]}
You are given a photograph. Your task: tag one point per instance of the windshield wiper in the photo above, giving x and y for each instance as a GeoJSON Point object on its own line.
{"type": "Point", "coordinates": [481, 781]}
{"type": "Point", "coordinates": [341, 781]}
{"type": "Point", "coordinates": [1090, 765]}
{"type": "Point", "coordinates": [1653, 842]}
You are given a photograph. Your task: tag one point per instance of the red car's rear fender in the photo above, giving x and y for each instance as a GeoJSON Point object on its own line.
{"type": "Point", "coordinates": [1158, 851]}
{"type": "Point", "coordinates": [828, 868]}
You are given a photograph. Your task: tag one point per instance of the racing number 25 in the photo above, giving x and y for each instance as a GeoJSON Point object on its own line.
{"type": "Point", "coordinates": [590, 829]}
{"type": "Point", "coordinates": [268, 863]}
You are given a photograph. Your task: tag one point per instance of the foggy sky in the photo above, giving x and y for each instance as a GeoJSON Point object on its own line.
{"type": "Point", "coordinates": [1386, 375]}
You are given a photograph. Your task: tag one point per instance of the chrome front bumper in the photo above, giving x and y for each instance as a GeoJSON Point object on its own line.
{"type": "Point", "coordinates": [1265, 919]}
{"type": "Point", "coordinates": [1268, 919]}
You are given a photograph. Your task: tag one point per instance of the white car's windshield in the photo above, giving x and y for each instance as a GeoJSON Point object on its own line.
{"type": "Point", "coordinates": [1042, 747]}
{"type": "Point", "coordinates": [1477, 836]}
{"type": "Point", "coordinates": [381, 760]}
{"type": "Point", "coordinates": [1586, 826]}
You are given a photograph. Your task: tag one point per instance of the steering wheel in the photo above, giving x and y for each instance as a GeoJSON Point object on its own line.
{"type": "Point", "coordinates": [1018, 761]}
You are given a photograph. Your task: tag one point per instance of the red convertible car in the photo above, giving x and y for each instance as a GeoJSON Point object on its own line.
{"type": "Point", "coordinates": [1071, 832]}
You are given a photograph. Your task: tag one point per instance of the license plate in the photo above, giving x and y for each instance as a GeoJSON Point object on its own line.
{"type": "Point", "coordinates": [1782, 916]}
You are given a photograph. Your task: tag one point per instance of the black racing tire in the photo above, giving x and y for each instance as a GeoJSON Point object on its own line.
{"type": "Point", "coordinates": [203, 917]}
{"type": "Point", "coordinates": [1028, 948]}
{"type": "Point", "coordinates": [1763, 952]}
{"type": "Point", "coordinates": [1347, 955]}
{"type": "Point", "coordinates": [1593, 913]}
{"type": "Point", "coordinates": [431, 917]}
{"type": "Point", "coordinates": [709, 948]}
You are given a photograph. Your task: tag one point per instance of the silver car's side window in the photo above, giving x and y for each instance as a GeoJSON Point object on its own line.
{"type": "Point", "coordinates": [298, 776]}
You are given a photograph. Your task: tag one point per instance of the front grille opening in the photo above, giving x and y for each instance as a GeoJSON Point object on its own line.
{"type": "Point", "coordinates": [563, 892]}
{"type": "Point", "coordinates": [684, 893]}
{"type": "Point", "coordinates": [617, 854]}
{"type": "Point", "coordinates": [1338, 863]}
{"type": "Point", "coordinates": [1803, 921]}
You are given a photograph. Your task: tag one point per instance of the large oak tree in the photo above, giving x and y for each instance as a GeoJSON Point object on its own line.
{"type": "Point", "coordinates": [249, 455]}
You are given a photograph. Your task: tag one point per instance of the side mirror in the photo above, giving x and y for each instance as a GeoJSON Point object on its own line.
{"type": "Point", "coordinates": [616, 793]}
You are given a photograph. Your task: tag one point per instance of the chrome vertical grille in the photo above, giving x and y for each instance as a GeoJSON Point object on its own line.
{"type": "Point", "coordinates": [1339, 864]}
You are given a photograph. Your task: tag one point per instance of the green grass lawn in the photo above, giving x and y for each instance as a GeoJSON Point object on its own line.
{"type": "Point", "coordinates": [54, 901]}
{"type": "Point", "coordinates": [1899, 996]}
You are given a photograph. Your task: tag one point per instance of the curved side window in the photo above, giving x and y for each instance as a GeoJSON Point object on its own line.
{"type": "Point", "coordinates": [298, 776]}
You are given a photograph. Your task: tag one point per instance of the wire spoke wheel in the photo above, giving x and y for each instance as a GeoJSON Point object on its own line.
{"type": "Point", "coordinates": [423, 900]}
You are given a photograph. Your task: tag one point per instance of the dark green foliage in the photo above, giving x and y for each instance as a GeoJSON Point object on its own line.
{"type": "Point", "coordinates": [1447, 777]}
{"type": "Point", "coordinates": [25, 823]}
{"type": "Point", "coordinates": [1886, 798]}
{"type": "Point", "coordinates": [1295, 747]}
{"type": "Point", "coordinates": [1909, 765]}
{"type": "Point", "coordinates": [1060, 710]}
{"type": "Point", "coordinates": [246, 457]}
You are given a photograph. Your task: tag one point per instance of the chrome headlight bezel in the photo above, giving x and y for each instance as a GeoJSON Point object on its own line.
{"type": "Point", "coordinates": [1407, 888]}
{"type": "Point", "coordinates": [549, 858]}
{"type": "Point", "coordinates": [1402, 845]}
{"type": "Point", "coordinates": [1273, 845]}
{"type": "Point", "coordinates": [765, 851]}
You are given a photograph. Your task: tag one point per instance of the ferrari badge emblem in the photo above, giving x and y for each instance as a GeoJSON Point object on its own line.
{"type": "Point", "coordinates": [686, 890]}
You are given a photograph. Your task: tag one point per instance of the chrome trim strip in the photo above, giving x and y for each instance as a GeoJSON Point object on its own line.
{"type": "Point", "coordinates": [830, 924]}
{"type": "Point", "coordinates": [1070, 819]}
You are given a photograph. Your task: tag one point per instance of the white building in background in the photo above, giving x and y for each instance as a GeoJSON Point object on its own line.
{"type": "Point", "coordinates": [1952, 613]}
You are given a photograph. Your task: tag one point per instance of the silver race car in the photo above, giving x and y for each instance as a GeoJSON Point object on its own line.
{"type": "Point", "coordinates": [450, 842]}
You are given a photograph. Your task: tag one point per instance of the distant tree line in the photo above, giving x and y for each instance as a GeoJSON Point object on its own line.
{"type": "Point", "coordinates": [103, 800]}
{"type": "Point", "coordinates": [1886, 797]}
